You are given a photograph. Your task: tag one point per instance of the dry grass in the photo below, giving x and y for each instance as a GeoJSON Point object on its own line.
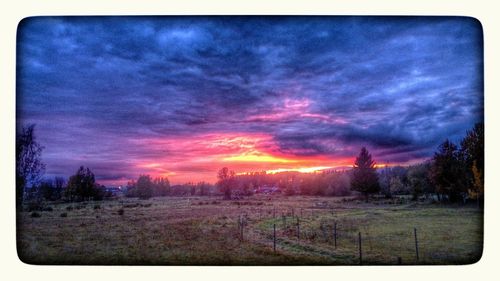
{"type": "Point", "coordinates": [204, 230]}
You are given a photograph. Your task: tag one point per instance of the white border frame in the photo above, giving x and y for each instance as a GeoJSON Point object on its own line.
{"type": "Point", "coordinates": [12, 13]}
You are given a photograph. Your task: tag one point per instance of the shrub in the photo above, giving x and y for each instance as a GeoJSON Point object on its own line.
{"type": "Point", "coordinates": [97, 207]}
{"type": "Point", "coordinates": [81, 206]}
{"type": "Point", "coordinates": [35, 215]}
{"type": "Point", "coordinates": [69, 208]}
{"type": "Point", "coordinates": [121, 212]}
{"type": "Point", "coordinates": [63, 215]}
{"type": "Point", "coordinates": [34, 205]}
{"type": "Point", "coordinates": [131, 205]}
{"type": "Point", "coordinates": [48, 209]}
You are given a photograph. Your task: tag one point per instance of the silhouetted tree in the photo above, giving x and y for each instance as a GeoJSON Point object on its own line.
{"type": "Point", "coordinates": [58, 187]}
{"type": "Point", "coordinates": [82, 186]}
{"type": "Point", "coordinates": [477, 189]}
{"type": "Point", "coordinates": [447, 171]}
{"type": "Point", "coordinates": [419, 181]}
{"type": "Point", "coordinates": [226, 181]}
{"type": "Point", "coordinates": [161, 186]}
{"type": "Point", "coordinates": [131, 189]}
{"type": "Point", "coordinates": [364, 176]}
{"type": "Point", "coordinates": [193, 190]}
{"type": "Point", "coordinates": [203, 187]}
{"type": "Point", "coordinates": [472, 156]}
{"type": "Point", "coordinates": [144, 187]}
{"type": "Point", "coordinates": [472, 148]}
{"type": "Point", "coordinates": [340, 183]}
{"type": "Point", "coordinates": [46, 190]}
{"type": "Point", "coordinates": [306, 185]}
{"type": "Point", "coordinates": [384, 179]}
{"type": "Point", "coordinates": [29, 167]}
{"type": "Point", "coordinates": [396, 186]}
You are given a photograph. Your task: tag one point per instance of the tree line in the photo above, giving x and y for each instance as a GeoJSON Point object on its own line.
{"type": "Point", "coordinates": [455, 172]}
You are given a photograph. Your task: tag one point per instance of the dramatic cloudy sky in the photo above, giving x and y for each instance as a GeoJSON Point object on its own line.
{"type": "Point", "coordinates": [184, 96]}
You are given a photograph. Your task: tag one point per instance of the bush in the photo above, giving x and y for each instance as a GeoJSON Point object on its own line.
{"type": "Point", "coordinates": [63, 215]}
{"type": "Point", "coordinates": [121, 212]}
{"type": "Point", "coordinates": [97, 207]}
{"type": "Point", "coordinates": [48, 209]}
{"type": "Point", "coordinates": [35, 215]}
{"type": "Point", "coordinates": [135, 205]}
{"type": "Point", "coordinates": [69, 208]}
{"type": "Point", "coordinates": [34, 205]}
{"type": "Point", "coordinates": [81, 206]}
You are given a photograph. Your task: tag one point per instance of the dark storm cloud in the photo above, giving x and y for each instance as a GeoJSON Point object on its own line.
{"type": "Point", "coordinates": [399, 85]}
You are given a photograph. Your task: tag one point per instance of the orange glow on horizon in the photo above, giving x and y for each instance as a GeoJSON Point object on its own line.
{"type": "Point", "coordinates": [198, 158]}
{"type": "Point", "coordinates": [300, 170]}
{"type": "Point", "coordinates": [258, 158]}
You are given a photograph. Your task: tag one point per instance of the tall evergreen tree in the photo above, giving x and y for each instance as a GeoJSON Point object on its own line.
{"type": "Point", "coordinates": [447, 171]}
{"type": "Point", "coordinates": [364, 176]}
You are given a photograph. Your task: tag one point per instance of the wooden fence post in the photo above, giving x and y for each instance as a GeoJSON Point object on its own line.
{"type": "Point", "coordinates": [298, 229]}
{"type": "Point", "coordinates": [335, 235]}
{"type": "Point", "coordinates": [274, 237]}
{"type": "Point", "coordinates": [360, 251]}
{"type": "Point", "coordinates": [416, 242]}
{"type": "Point", "coordinates": [242, 226]}
{"type": "Point", "coordinates": [239, 226]}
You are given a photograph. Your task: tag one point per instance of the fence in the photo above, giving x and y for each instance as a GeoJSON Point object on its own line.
{"type": "Point", "coordinates": [351, 242]}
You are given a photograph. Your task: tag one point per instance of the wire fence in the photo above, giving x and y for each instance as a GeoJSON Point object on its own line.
{"type": "Point", "coordinates": [345, 240]}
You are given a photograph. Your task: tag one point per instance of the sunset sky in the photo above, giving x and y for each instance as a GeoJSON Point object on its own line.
{"type": "Point", "coordinates": [184, 96]}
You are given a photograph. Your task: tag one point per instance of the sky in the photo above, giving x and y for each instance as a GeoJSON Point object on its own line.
{"type": "Point", "coordinates": [182, 97]}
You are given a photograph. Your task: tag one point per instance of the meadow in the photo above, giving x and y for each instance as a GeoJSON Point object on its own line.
{"type": "Point", "coordinates": [211, 231]}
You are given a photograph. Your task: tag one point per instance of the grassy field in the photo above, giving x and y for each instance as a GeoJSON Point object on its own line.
{"type": "Point", "coordinates": [206, 231]}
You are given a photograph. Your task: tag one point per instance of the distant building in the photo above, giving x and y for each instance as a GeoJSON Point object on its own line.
{"type": "Point", "coordinates": [267, 189]}
{"type": "Point", "coordinates": [114, 191]}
